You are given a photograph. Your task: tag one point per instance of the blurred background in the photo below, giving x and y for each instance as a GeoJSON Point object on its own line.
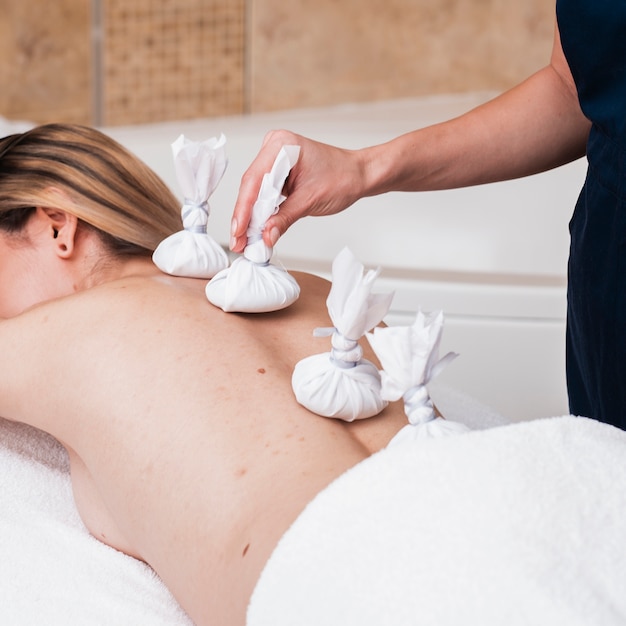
{"type": "Point", "coordinates": [117, 62]}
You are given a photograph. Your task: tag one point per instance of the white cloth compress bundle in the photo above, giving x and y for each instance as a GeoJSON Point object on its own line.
{"type": "Point", "coordinates": [192, 252]}
{"type": "Point", "coordinates": [252, 284]}
{"type": "Point", "coordinates": [409, 356]}
{"type": "Point", "coordinates": [341, 383]}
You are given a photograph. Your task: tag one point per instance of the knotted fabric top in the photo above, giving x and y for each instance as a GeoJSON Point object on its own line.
{"type": "Point", "coordinates": [252, 284]}
{"type": "Point", "coordinates": [352, 306]}
{"type": "Point", "coordinates": [192, 252]}
{"type": "Point", "coordinates": [409, 356]}
{"type": "Point", "coordinates": [267, 203]}
{"type": "Point", "coordinates": [340, 383]}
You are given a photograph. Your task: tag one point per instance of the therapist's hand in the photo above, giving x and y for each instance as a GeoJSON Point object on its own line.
{"type": "Point", "coordinates": [324, 181]}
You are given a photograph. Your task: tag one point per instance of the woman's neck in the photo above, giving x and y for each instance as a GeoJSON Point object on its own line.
{"type": "Point", "coordinates": [109, 269]}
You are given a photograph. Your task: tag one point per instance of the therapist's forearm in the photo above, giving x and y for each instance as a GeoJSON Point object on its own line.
{"type": "Point", "coordinates": [534, 127]}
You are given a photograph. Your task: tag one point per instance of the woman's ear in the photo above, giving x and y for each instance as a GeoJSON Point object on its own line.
{"type": "Point", "coordinates": [61, 227]}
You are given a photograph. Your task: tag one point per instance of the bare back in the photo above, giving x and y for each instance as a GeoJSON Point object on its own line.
{"type": "Point", "coordinates": [188, 448]}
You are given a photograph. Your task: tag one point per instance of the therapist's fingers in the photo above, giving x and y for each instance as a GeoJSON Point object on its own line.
{"type": "Point", "coordinates": [251, 184]}
{"type": "Point", "coordinates": [325, 180]}
{"type": "Point", "coordinates": [289, 212]}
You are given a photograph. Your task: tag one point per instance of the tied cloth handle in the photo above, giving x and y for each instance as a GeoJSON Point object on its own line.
{"type": "Point", "coordinates": [346, 353]}
{"type": "Point", "coordinates": [418, 406]}
{"type": "Point", "coordinates": [195, 216]}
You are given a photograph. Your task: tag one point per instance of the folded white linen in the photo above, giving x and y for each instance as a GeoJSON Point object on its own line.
{"type": "Point", "coordinates": [52, 571]}
{"type": "Point", "coordinates": [520, 524]}
{"type": "Point", "coordinates": [252, 284]}
{"type": "Point", "coordinates": [192, 252]}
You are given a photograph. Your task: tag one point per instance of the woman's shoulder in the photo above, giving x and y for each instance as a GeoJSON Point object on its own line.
{"type": "Point", "coordinates": [108, 304]}
{"type": "Point", "coordinates": [122, 309]}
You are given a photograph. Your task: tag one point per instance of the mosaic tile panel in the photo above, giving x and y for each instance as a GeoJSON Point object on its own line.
{"type": "Point", "coordinates": [172, 59]}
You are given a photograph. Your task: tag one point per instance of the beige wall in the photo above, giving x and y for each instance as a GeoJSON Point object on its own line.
{"type": "Point", "coordinates": [45, 60]}
{"type": "Point", "coordinates": [356, 50]}
{"type": "Point", "coordinates": [120, 62]}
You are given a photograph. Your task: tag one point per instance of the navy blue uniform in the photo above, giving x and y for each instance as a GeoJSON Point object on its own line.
{"type": "Point", "coordinates": [593, 35]}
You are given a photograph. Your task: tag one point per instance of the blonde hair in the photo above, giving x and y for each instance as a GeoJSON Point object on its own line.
{"type": "Point", "coordinates": [86, 173]}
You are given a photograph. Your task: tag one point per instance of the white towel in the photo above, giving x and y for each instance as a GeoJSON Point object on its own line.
{"type": "Point", "coordinates": [52, 571]}
{"type": "Point", "coordinates": [516, 525]}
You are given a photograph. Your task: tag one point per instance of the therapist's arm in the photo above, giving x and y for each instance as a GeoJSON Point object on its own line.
{"type": "Point", "coordinates": [536, 126]}
{"type": "Point", "coordinates": [531, 128]}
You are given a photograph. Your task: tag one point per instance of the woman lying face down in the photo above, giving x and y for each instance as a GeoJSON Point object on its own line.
{"type": "Point", "coordinates": [187, 447]}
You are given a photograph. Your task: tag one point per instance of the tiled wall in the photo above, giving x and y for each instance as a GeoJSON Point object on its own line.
{"type": "Point", "coordinates": [122, 62]}
{"type": "Point", "coordinates": [171, 59]}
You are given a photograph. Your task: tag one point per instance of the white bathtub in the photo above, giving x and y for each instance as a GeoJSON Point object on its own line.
{"type": "Point", "coordinates": [492, 257]}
